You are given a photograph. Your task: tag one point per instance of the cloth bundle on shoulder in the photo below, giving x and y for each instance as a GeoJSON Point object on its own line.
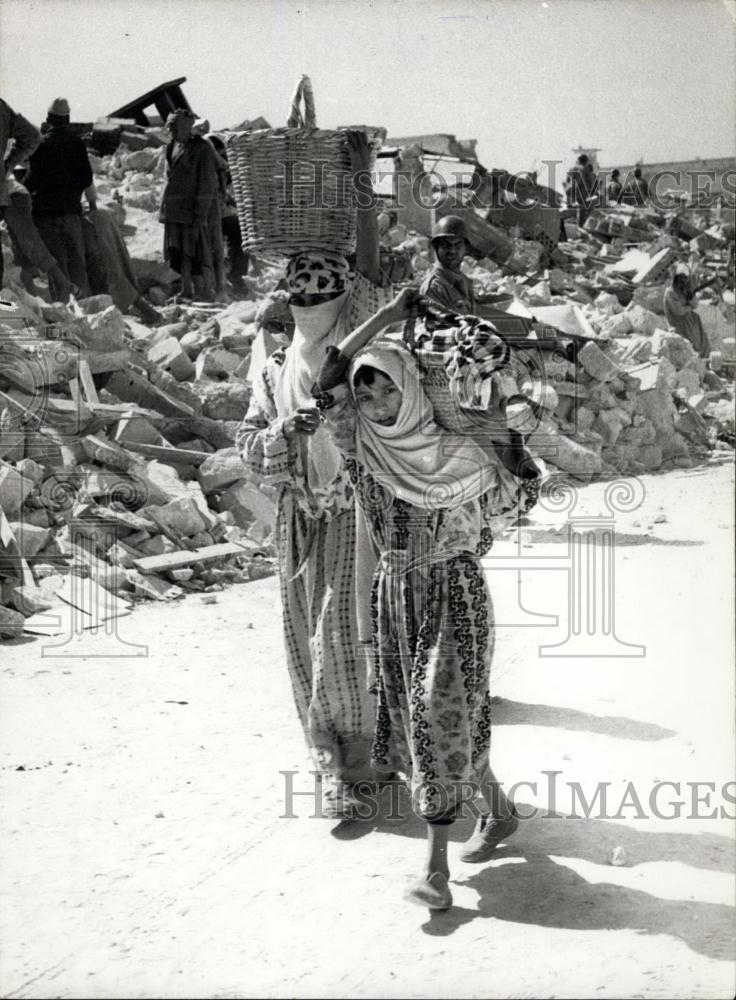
{"type": "Point", "coordinates": [293, 186]}
{"type": "Point", "coordinates": [457, 357]}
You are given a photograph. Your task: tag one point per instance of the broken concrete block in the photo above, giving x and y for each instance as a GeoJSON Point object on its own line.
{"type": "Point", "coordinates": [261, 507]}
{"type": "Point", "coordinates": [152, 586]}
{"type": "Point", "coordinates": [650, 456]}
{"type": "Point", "coordinates": [616, 326]}
{"type": "Point", "coordinates": [32, 470]}
{"type": "Point", "coordinates": [574, 389]}
{"type": "Point", "coordinates": [656, 267]}
{"type": "Point", "coordinates": [609, 424]}
{"type": "Point", "coordinates": [30, 538]}
{"type": "Point", "coordinates": [108, 330]}
{"type": "Point", "coordinates": [642, 320]}
{"type": "Point", "coordinates": [584, 418]}
{"type": "Point", "coordinates": [639, 434]}
{"type": "Point", "coordinates": [14, 488]}
{"type": "Point", "coordinates": [678, 350]}
{"type": "Point", "coordinates": [570, 456]}
{"type": "Point", "coordinates": [558, 369]}
{"type": "Point", "coordinates": [130, 387]}
{"type": "Point", "coordinates": [221, 470]}
{"type": "Point", "coordinates": [224, 400]}
{"type": "Point", "coordinates": [597, 363]}
{"type": "Point", "coordinates": [600, 397]}
{"type": "Point", "coordinates": [202, 539]}
{"type": "Point", "coordinates": [176, 330]}
{"type": "Point", "coordinates": [686, 380]}
{"type": "Point", "coordinates": [565, 408]}
{"type": "Point", "coordinates": [181, 516]}
{"type": "Point", "coordinates": [181, 575]}
{"type": "Point", "coordinates": [28, 600]}
{"type": "Point", "coordinates": [168, 354]}
{"type": "Point", "coordinates": [156, 546]}
{"type": "Point", "coordinates": [11, 623]}
{"type": "Point", "coordinates": [120, 555]}
{"type": "Point", "coordinates": [140, 159]}
{"type": "Point", "coordinates": [39, 517]}
{"type": "Point", "coordinates": [108, 453]}
{"type": "Point", "coordinates": [194, 342]}
{"type": "Point", "coordinates": [651, 298]}
{"type": "Point", "coordinates": [217, 363]}
{"type": "Point", "coordinates": [137, 430]}
{"type": "Point", "coordinates": [607, 304]}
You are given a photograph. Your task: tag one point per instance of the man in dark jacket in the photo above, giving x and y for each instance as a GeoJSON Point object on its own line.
{"type": "Point", "coordinates": [189, 206]}
{"type": "Point", "coordinates": [59, 174]}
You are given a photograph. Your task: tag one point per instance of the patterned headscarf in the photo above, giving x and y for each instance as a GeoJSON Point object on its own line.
{"type": "Point", "coordinates": [318, 274]}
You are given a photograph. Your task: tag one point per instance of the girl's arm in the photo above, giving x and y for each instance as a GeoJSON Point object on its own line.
{"type": "Point", "coordinates": [397, 310]}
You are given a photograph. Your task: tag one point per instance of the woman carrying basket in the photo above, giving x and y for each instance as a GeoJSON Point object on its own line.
{"type": "Point", "coordinates": [282, 446]}
{"type": "Point", "coordinates": [430, 499]}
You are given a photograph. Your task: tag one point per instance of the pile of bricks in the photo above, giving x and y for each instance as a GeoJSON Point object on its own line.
{"type": "Point", "coordinates": [117, 456]}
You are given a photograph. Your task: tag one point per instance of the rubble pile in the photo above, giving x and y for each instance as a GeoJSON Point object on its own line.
{"type": "Point", "coordinates": [117, 457]}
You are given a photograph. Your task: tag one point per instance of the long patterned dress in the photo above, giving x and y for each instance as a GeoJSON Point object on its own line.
{"type": "Point", "coordinates": [316, 542]}
{"type": "Point", "coordinates": [433, 627]}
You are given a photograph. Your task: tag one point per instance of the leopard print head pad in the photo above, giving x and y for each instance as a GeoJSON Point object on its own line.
{"type": "Point", "coordinates": [318, 274]}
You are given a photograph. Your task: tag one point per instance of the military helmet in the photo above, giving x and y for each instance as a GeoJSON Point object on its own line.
{"type": "Point", "coordinates": [449, 225]}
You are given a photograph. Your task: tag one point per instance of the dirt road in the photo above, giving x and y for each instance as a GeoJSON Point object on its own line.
{"type": "Point", "coordinates": [144, 853]}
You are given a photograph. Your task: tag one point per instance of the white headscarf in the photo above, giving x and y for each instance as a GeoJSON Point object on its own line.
{"type": "Point", "coordinates": [316, 328]}
{"type": "Point", "coordinates": [414, 458]}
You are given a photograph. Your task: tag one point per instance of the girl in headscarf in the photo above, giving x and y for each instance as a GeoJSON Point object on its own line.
{"type": "Point", "coordinates": [431, 500]}
{"type": "Point", "coordinates": [284, 446]}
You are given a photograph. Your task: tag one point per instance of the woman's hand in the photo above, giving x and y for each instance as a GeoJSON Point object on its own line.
{"type": "Point", "coordinates": [404, 305]}
{"type": "Point", "coordinates": [304, 421]}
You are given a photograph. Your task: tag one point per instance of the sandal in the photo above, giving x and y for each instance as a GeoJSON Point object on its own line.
{"type": "Point", "coordinates": [488, 834]}
{"type": "Point", "coordinates": [432, 891]}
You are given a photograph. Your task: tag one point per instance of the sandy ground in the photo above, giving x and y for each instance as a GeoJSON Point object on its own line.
{"type": "Point", "coordinates": [145, 853]}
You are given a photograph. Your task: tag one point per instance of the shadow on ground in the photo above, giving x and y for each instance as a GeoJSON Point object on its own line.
{"type": "Point", "coordinates": [517, 713]}
{"type": "Point", "coordinates": [532, 888]}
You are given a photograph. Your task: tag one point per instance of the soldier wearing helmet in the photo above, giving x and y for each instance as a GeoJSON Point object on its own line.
{"type": "Point", "coordinates": [446, 285]}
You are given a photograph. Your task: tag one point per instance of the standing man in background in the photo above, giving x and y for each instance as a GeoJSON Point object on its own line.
{"type": "Point", "coordinates": [26, 138]}
{"type": "Point", "coordinates": [59, 174]}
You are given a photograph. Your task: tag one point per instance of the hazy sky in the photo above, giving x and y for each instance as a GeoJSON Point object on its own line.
{"type": "Point", "coordinates": [530, 79]}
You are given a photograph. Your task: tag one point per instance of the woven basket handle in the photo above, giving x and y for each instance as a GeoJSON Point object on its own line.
{"type": "Point", "coordinates": [303, 92]}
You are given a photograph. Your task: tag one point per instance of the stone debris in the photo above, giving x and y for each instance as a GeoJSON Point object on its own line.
{"type": "Point", "coordinates": [117, 456]}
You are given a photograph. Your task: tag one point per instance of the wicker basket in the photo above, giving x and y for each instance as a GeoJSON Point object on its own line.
{"type": "Point", "coordinates": [488, 428]}
{"type": "Point", "coordinates": [293, 186]}
{"type": "Point", "coordinates": [485, 426]}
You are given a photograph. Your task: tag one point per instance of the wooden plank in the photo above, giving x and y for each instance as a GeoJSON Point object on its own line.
{"type": "Point", "coordinates": [76, 390]}
{"type": "Point", "coordinates": [171, 455]}
{"type": "Point", "coordinates": [176, 560]}
{"type": "Point", "coordinates": [85, 377]}
{"type": "Point", "coordinates": [116, 411]}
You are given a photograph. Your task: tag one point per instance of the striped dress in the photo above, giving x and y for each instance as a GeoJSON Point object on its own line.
{"type": "Point", "coordinates": [316, 544]}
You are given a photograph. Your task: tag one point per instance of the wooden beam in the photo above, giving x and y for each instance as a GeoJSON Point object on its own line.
{"type": "Point", "coordinates": [171, 455]}
{"type": "Point", "coordinates": [176, 560]}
